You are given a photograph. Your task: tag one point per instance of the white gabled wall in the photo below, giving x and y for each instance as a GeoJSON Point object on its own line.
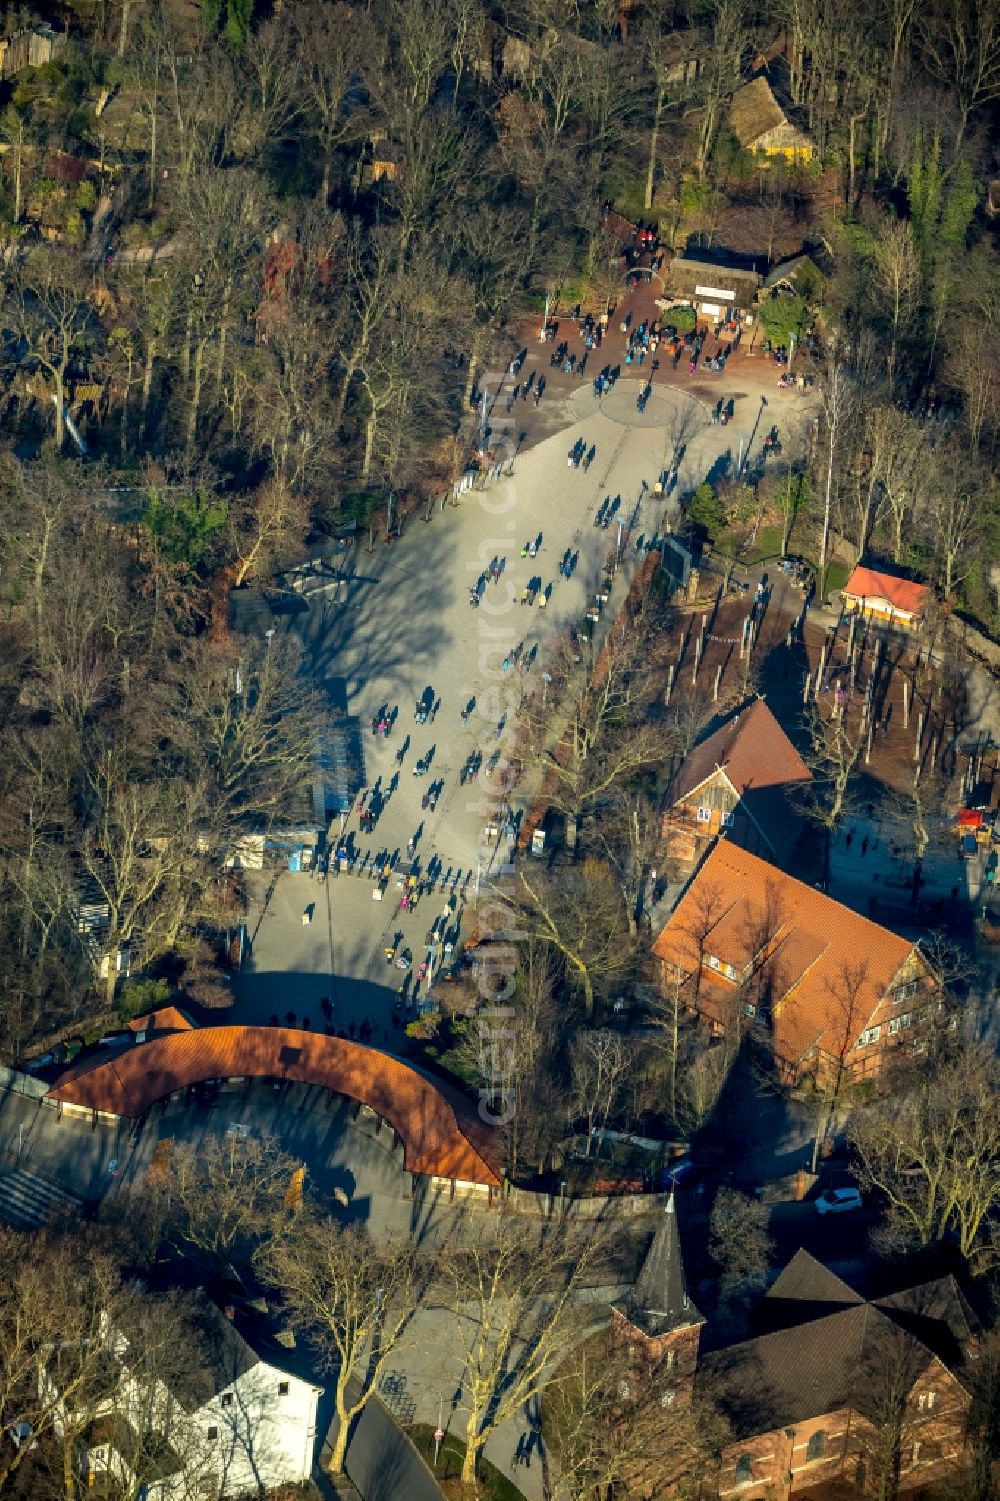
{"type": "Point", "coordinates": [265, 1437]}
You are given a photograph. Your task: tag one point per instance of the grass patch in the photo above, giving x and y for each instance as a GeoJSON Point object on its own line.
{"type": "Point", "coordinates": [729, 542]}
{"type": "Point", "coordinates": [837, 574]}
{"type": "Point", "coordinates": [684, 319]}
{"type": "Point", "coordinates": [492, 1485]}
{"type": "Point", "coordinates": [628, 200]}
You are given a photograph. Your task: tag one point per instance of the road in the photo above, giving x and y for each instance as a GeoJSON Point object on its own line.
{"type": "Point", "coordinates": [382, 1462]}
{"type": "Point", "coordinates": [402, 623]}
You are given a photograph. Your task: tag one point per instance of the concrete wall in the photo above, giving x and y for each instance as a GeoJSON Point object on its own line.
{"type": "Point", "coordinates": [19, 1083]}
{"type": "Point", "coordinates": [595, 1207]}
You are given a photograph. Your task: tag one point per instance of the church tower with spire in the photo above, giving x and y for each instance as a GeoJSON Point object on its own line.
{"type": "Point", "coordinates": [658, 1322]}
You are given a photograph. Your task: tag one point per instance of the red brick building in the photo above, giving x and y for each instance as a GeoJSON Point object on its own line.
{"type": "Point", "coordinates": [736, 784]}
{"type": "Point", "coordinates": [658, 1323]}
{"type": "Point", "coordinates": [835, 1387]}
{"type": "Point", "coordinates": [824, 989]}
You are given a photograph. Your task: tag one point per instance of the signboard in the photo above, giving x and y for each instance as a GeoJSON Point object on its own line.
{"type": "Point", "coordinates": [675, 560]}
{"type": "Point", "coordinates": [715, 292]}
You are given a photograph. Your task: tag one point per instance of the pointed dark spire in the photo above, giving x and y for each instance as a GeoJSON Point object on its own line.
{"type": "Point", "coordinates": [659, 1302]}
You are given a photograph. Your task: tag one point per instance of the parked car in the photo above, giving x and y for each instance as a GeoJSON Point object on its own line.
{"type": "Point", "coordinates": [839, 1201]}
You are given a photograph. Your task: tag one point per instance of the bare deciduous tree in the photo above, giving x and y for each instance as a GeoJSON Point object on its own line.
{"type": "Point", "coordinates": [512, 1299]}
{"type": "Point", "coordinates": [217, 1199]}
{"type": "Point", "coordinates": [46, 303]}
{"type": "Point", "coordinates": [579, 913]}
{"type": "Point", "coordinates": [600, 1062]}
{"type": "Point", "coordinates": [351, 1298]}
{"type": "Point", "coordinates": [620, 1421]}
{"type": "Point", "coordinates": [930, 1151]}
{"type": "Point", "coordinates": [739, 1244]}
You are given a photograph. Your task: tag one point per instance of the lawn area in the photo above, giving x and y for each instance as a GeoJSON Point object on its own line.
{"type": "Point", "coordinates": [493, 1486]}
{"type": "Point", "coordinates": [767, 545]}
{"type": "Point", "coordinates": [837, 574]}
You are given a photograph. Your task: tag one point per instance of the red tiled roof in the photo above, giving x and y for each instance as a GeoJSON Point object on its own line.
{"type": "Point", "coordinates": [438, 1135]}
{"type": "Point", "coordinates": [166, 1019]}
{"type": "Point", "coordinates": [820, 969]}
{"type": "Point", "coordinates": [901, 594]}
{"type": "Point", "coordinates": [752, 749]}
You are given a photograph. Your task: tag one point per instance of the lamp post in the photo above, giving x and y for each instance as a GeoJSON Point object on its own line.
{"type": "Point", "coordinates": [753, 433]}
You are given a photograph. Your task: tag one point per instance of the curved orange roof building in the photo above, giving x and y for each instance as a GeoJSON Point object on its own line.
{"type": "Point", "coordinates": [439, 1136]}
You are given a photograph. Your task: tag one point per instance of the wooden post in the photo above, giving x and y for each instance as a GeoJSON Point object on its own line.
{"type": "Point", "coordinates": [805, 691]}
{"type": "Point", "coordinates": [718, 680]}
{"type": "Point", "coordinates": [820, 670]}
{"type": "Point", "coordinates": [697, 661]}
{"type": "Point", "coordinates": [920, 736]}
{"type": "Point", "coordinates": [868, 747]}
{"type": "Point", "coordinates": [670, 682]}
{"type": "Point", "coordinates": [906, 704]}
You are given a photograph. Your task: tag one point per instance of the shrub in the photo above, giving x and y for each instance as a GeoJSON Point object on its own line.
{"type": "Point", "coordinates": [73, 227]}
{"type": "Point", "coordinates": [705, 513]}
{"type": "Point", "coordinates": [139, 996]}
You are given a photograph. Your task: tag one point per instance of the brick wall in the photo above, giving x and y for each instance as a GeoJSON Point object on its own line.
{"type": "Point", "coordinates": [675, 1353]}
{"type": "Point", "coordinates": [840, 1445]}
{"type": "Point", "coordinates": [787, 1460]}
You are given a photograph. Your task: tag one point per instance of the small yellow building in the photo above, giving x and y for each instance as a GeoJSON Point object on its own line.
{"type": "Point", "coordinates": [761, 125]}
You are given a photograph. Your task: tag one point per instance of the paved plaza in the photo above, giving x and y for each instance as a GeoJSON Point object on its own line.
{"type": "Point", "coordinates": [402, 623]}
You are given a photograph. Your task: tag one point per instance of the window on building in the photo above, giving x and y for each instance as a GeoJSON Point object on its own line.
{"type": "Point", "coordinates": [926, 1401]}
{"type": "Point", "coordinates": [670, 1360]}
{"type": "Point", "coordinates": [904, 1019]}
{"type": "Point", "coordinates": [704, 815]}
{"type": "Point", "coordinates": [283, 1388]}
{"type": "Point", "coordinates": [227, 1399]}
{"type": "Point", "coordinates": [868, 1036]}
{"type": "Point", "coordinates": [728, 820]}
{"type": "Point", "coordinates": [714, 962]}
{"type": "Point", "coordinates": [816, 1447]}
{"type": "Point", "coordinates": [903, 992]}
{"type": "Point", "coordinates": [744, 1469]}
{"type": "Point", "coordinates": [729, 970]}
{"type": "Point", "coordinates": [667, 1398]}
{"type": "Point", "coordinates": [213, 1432]}
{"type": "Point", "coordinates": [749, 1009]}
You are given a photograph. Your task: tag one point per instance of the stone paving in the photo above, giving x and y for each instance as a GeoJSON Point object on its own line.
{"type": "Point", "coordinates": [403, 623]}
